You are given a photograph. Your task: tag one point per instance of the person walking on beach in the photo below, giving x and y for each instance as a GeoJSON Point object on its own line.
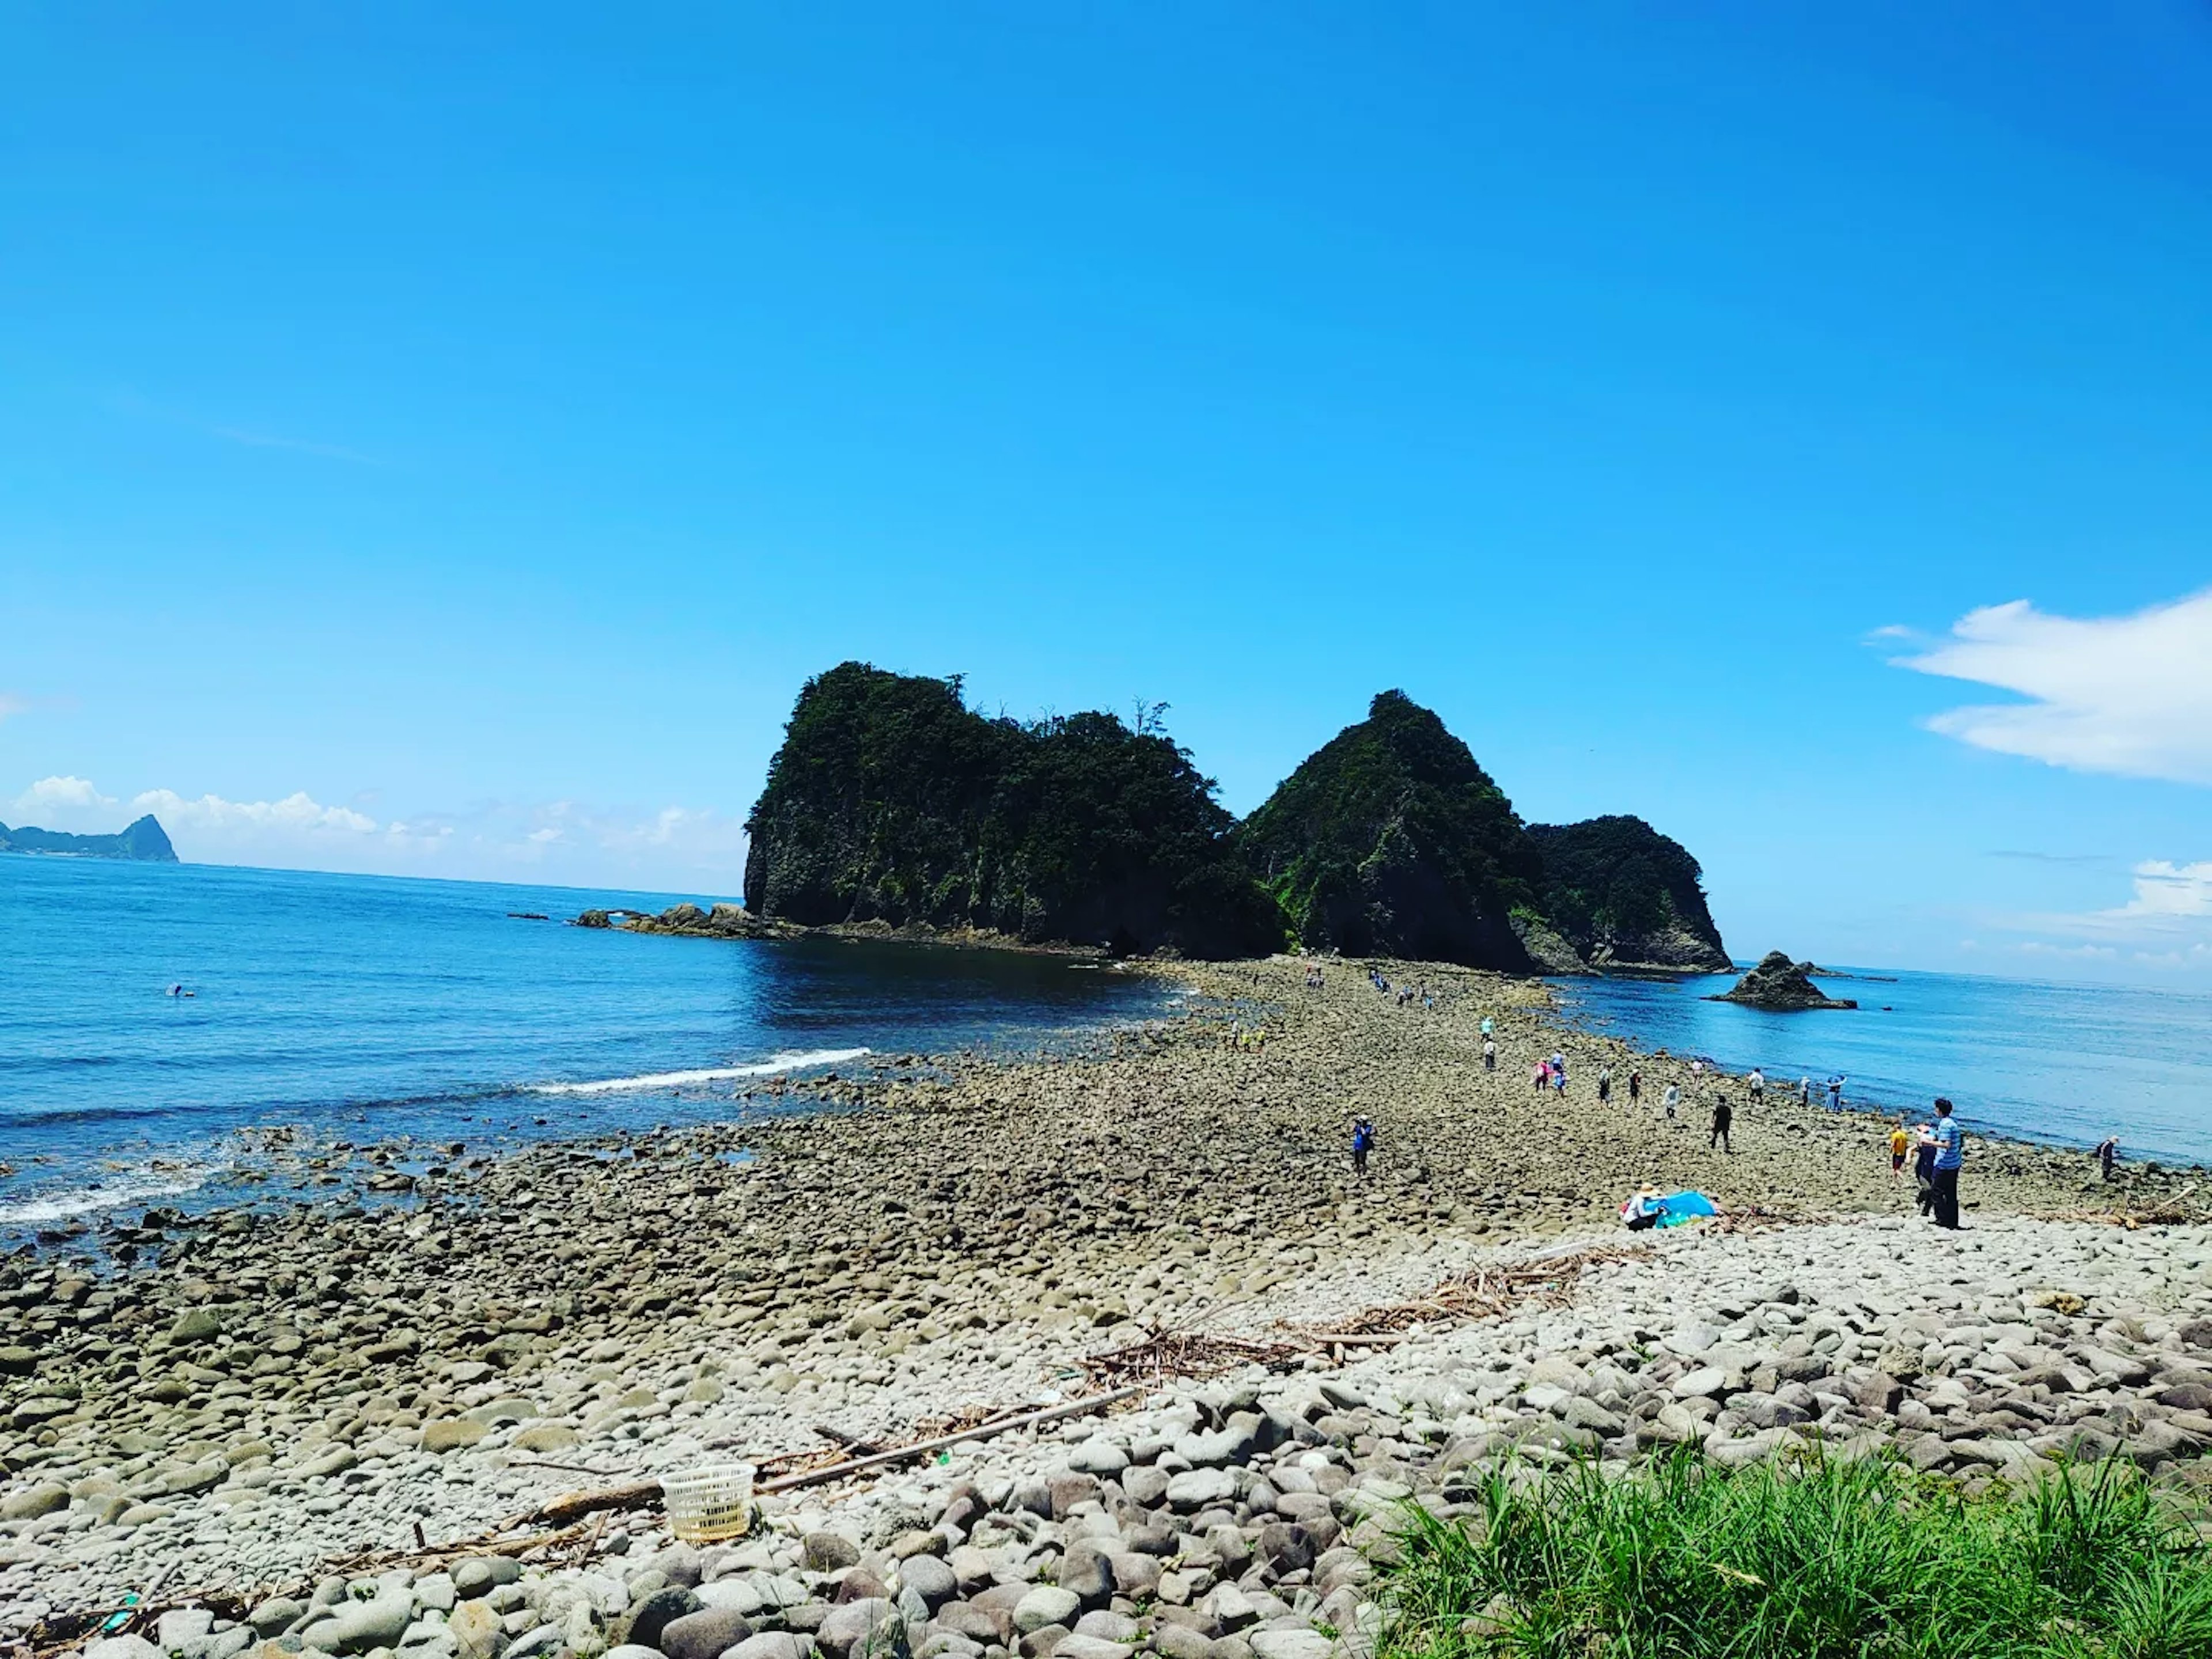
{"type": "Point", "coordinates": [1672, 1099]}
{"type": "Point", "coordinates": [1635, 1088]}
{"type": "Point", "coordinates": [2108, 1154]}
{"type": "Point", "coordinates": [1363, 1142]}
{"type": "Point", "coordinates": [1836, 1094]}
{"type": "Point", "coordinates": [1923, 1167]}
{"type": "Point", "coordinates": [1722, 1118]}
{"type": "Point", "coordinates": [1758, 1087]}
{"type": "Point", "coordinates": [1489, 1053]}
{"type": "Point", "coordinates": [1604, 1085]}
{"type": "Point", "coordinates": [1900, 1143]}
{"type": "Point", "coordinates": [1950, 1155]}
{"type": "Point", "coordinates": [1804, 1091]}
{"type": "Point", "coordinates": [1489, 1027]}
{"type": "Point", "coordinates": [1543, 1075]}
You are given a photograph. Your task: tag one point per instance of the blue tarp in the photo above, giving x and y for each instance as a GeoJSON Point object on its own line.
{"type": "Point", "coordinates": [1684, 1207]}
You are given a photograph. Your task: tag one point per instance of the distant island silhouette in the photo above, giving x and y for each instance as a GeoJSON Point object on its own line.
{"type": "Point", "coordinates": [145, 841]}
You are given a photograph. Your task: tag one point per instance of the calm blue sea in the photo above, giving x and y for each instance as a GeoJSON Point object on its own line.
{"type": "Point", "coordinates": [2069, 1064]}
{"type": "Point", "coordinates": [365, 1008]}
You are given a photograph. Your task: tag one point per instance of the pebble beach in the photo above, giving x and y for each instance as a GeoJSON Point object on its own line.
{"type": "Point", "coordinates": [305, 1422]}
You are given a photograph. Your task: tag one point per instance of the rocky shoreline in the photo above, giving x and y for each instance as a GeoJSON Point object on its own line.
{"type": "Point", "coordinates": [263, 1393]}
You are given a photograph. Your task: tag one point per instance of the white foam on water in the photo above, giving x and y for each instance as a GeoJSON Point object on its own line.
{"type": "Point", "coordinates": [86, 1200]}
{"type": "Point", "coordinates": [714, 1074]}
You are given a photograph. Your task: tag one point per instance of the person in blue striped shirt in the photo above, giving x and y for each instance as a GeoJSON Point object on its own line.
{"type": "Point", "coordinates": [1950, 1154]}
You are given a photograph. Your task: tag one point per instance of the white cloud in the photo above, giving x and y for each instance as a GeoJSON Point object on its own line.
{"type": "Point", "coordinates": [297, 814]}
{"type": "Point", "coordinates": [68, 794]}
{"type": "Point", "coordinates": [11, 704]}
{"type": "Point", "coordinates": [669, 849]}
{"type": "Point", "coordinates": [2168, 892]}
{"type": "Point", "coordinates": [2166, 921]}
{"type": "Point", "coordinates": [2128, 695]}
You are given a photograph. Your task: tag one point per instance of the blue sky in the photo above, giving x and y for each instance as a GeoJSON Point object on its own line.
{"type": "Point", "coordinates": [445, 443]}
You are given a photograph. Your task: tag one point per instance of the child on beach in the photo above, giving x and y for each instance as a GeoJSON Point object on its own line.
{"type": "Point", "coordinates": [1635, 1088]}
{"type": "Point", "coordinates": [1900, 1143]}
{"type": "Point", "coordinates": [1363, 1142]}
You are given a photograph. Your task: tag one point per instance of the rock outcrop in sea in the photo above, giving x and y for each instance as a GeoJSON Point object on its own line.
{"type": "Point", "coordinates": [143, 840]}
{"type": "Point", "coordinates": [692, 921]}
{"type": "Point", "coordinates": [892, 801]}
{"type": "Point", "coordinates": [1782, 985]}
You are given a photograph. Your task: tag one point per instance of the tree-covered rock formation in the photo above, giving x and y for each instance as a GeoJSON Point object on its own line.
{"type": "Point", "coordinates": [1390, 840]}
{"type": "Point", "coordinates": [892, 800]}
{"type": "Point", "coordinates": [143, 840]}
{"type": "Point", "coordinates": [1623, 895]}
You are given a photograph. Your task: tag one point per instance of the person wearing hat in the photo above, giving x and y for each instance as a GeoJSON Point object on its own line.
{"type": "Point", "coordinates": [1643, 1209]}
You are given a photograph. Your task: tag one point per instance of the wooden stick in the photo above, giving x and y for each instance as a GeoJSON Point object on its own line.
{"type": "Point", "coordinates": [923, 1448]}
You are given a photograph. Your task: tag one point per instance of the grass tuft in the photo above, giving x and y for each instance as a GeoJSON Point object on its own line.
{"type": "Point", "coordinates": [1823, 1559]}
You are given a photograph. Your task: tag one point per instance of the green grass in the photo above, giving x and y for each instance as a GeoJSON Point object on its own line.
{"type": "Point", "coordinates": [1823, 1560]}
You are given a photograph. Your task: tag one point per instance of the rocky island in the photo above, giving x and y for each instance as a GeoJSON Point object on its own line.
{"type": "Point", "coordinates": [892, 807]}
{"type": "Point", "coordinates": [892, 802]}
{"type": "Point", "coordinates": [1781, 985]}
{"type": "Point", "coordinates": [143, 842]}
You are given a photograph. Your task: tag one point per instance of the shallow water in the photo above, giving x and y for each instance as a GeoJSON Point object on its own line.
{"type": "Point", "coordinates": [362, 1008]}
{"type": "Point", "coordinates": [2063, 1063]}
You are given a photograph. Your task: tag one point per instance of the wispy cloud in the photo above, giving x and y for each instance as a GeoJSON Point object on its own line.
{"type": "Point", "coordinates": [297, 445]}
{"type": "Point", "coordinates": [11, 705]}
{"type": "Point", "coordinates": [2129, 695]}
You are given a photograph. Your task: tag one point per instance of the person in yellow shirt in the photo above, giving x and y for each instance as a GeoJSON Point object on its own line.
{"type": "Point", "coordinates": [1900, 1144]}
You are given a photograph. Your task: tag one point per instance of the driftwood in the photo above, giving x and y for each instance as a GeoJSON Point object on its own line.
{"type": "Point", "coordinates": [575, 1505]}
{"type": "Point", "coordinates": [1170, 1353]}
{"type": "Point", "coordinates": [1486, 1293]}
{"type": "Point", "coordinates": [923, 1448]}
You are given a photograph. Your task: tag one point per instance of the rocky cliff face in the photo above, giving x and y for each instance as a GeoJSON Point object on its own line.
{"type": "Point", "coordinates": [1390, 840]}
{"type": "Point", "coordinates": [1625, 895]}
{"type": "Point", "coordinates": [890, 801]}
{"type": "Point", "coordinates": [145, 841]}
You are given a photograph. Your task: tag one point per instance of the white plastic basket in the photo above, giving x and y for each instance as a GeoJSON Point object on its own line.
{"type": "Point", "coordinates": [705, 1506]}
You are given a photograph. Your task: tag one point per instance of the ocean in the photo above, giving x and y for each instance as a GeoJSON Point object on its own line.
{"type": "Point", "coordinates": [2063, 1064]}
{"type": "Point", "coordinates": [354, 1009]}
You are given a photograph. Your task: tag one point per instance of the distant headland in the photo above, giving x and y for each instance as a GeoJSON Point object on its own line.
{"type": "Point", "coordinates": [144, 842]}
{"type": "Point", "coordinates": [892, 804]}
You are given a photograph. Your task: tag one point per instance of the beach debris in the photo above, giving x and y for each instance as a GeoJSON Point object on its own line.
{"type": "Point", "coordinates": [1490, 1291]}
{"type": "Point", "coordinates": [1175, 1352]}
{"type": "Point", "coordinates": [2180, 1209]}
{"type": "Point", "coordinates": [1088, 1403]}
